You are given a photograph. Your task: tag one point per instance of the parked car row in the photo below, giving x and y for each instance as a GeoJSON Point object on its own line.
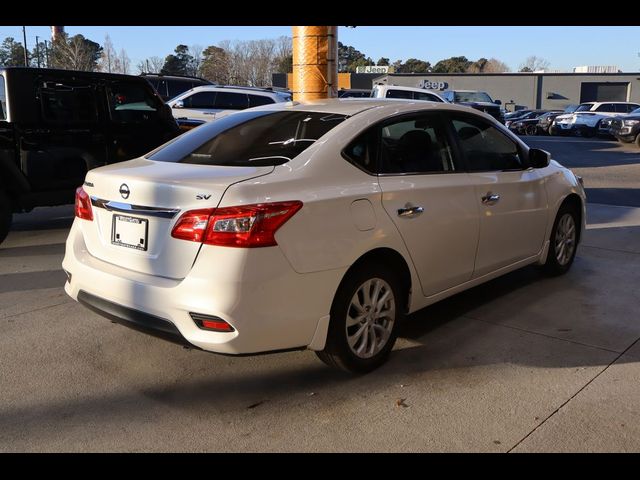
{"type": "Point", "coordinates": [587, 119]}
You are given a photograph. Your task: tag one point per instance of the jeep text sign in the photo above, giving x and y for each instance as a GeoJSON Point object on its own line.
{"type": "Point", "coordinates": [375, 69]}
{"type": "Point", "coordinates": [429, 85]}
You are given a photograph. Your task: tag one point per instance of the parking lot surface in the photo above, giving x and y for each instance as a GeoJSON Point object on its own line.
{"type": "Point", "coordinates": [523, 363]}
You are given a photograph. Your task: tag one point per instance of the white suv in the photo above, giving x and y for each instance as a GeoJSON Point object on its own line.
{"type": "Point", "coordinates": [209, 102]}
{"type": "Point", "coordinates": [406, 93]}
{"type": "Point", "coordinates": [586, 118]}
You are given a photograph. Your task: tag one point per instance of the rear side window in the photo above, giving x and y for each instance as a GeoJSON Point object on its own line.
{"type": "Point", "coordinates": [3, 100]}
{"type": "Point", "coordinates": [362, 151]}
{"type": "Point", "coordinates": [416, 145]}
{"type": "Point", "coordinates": [606, 107]}
{"type": "Point", "coordinates": [425, 96]}
{"type": "Point", "coordinates": [486, 148]}
{"type": "Point", "coordinates": [200, 100]}
{"type": "Point", "coordinates": [258, 100]}
{"type": "Point", "coordinates": [251, 138]}
{"type": "Point", "coordinates": [399, 94]}
{"type": "Point", "coordinates": [68, 105]}
{"type": "Point", "coordinates": [232, 101]}
{"type": "Point", "coordinates": [131, 102]}
{"type": "Point", "coordinates": [176, 87]}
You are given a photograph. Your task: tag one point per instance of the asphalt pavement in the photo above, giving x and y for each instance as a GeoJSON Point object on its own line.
{"type": "Point", "coordinates": [523, 363]}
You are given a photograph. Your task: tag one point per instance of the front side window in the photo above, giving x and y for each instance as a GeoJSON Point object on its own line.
{"type": "Point", "coordinates": [232, 101]}
{"type": "Point", "coordinates": [3, 100]}
{"type": "Point", "coordinates": [399, 94]}
{"type": "Point", "coordinates": [416, 145]}
{"type": "Point", "coordinates": [251, 138]}
{"type": "Point", "coordinates": [68, 104]}
{"type": "Point", "coordinates": [131, 102]}
{"type": "Point", "coordinates": [200, 100]}
{"type": "Point", "coordinates": [486, 148]}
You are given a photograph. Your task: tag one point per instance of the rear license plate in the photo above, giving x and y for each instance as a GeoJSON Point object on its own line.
{"type": "Point", "coordinates": [130, 232]}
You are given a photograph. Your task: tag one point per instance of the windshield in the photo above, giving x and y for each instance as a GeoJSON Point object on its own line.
{"type": "Point", "coordinates": [249, 138]}
{"type": "Point", "coordinates": [571, 108]}
{"type": "Point", "coordinates": [635, 112]}
{"type": "Point", "coordinates": [585, 107]}
{"type": "Point", "coordinates": [472, 97]}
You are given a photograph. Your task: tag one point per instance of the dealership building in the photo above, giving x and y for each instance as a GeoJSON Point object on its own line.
{"type": "Point", "coordinates": [553, 91]}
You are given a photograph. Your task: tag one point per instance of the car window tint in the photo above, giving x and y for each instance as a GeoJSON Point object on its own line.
{"type": "Point", "coordinates": [132, 102]}
{"type": "Point", "coordinates": [257, 100]}
{"type": "Point", "coordinates": [176, 87]}
{"type": "Point", "coordinates": [425, 96]}
{"type": "Point", "coordinates": [485, 148]}
{"type": "Point", "coordinates": [606, 107]}
{"type": "Point", "coordinates": [415, 145]}
{"type": "Point", "coordinates": [251, 138]}
{"type": "Point", "coordinates": [3, 100]}
{"type": "Point", "coordinates": [232, 101]}
{"type": "Point", "coordinates": [399, 94]}
{"type": "Point", "coordinates": [362, 151]}
{"type": "Point", "coordinates": [200, 100]}
{"type": "Point", "coordinates": [68, 104]}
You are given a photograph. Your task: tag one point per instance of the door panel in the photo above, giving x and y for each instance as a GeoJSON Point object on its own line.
{"type": "Point", "coordinates": [442, 240]}
{"type": "Point", "coordinates": [513, 227]}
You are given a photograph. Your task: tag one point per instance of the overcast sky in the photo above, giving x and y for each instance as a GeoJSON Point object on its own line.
{"type": "Point", "coordinates": [563, 47]}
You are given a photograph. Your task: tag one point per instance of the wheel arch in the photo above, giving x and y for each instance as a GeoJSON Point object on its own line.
{"type": "Point", "coordinates": [391, 258]}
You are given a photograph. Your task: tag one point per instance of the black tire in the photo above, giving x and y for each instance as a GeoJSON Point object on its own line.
{"type": "Point", "coordinates": [637, 141]}
{"type": "Point", "coordinates": [552, 130]}
{"type": "Point", "coordinates": [557, 263]}
{"type": "Point", "coordinates": [6, 215]}
{"type": "Point", "coordinates": [531, 130]}
{"type": "Point", "coordinates": [589, 132]}
{"type": "Point", "coordinates": [337, 352]}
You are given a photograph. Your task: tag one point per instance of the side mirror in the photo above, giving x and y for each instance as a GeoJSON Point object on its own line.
{"type": "Point", "coordinates": [539, 158]}
{"type": "Point", "coordinates": [178, 104]}
{"type": "Point", "coordinates": [498, 102]}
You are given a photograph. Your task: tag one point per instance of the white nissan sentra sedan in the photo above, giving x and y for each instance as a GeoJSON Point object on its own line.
{"type": "Point", "coordinates": [316, 225]}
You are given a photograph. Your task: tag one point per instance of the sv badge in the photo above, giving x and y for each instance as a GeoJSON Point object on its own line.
{"type": "Point", "coordinates": [202, 196]}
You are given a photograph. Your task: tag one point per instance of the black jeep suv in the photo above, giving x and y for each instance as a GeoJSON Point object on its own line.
{"type": "Point", "coordinates": [478, 100]}
{"type": "Point", "coordinates": [55, 125]}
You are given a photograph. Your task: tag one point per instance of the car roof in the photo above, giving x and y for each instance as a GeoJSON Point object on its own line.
{"type": "Point", "coordinates": [237, 89]}
{"type": "Point", "coordinates": [412, 89]}
{"type": "Point", "coordinates": [353, 106]}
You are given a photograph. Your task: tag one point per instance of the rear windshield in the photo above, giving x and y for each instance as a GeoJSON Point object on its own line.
{"type": "Point", "coordinates": [249, 138]}
{"type": "Point", "coordinates": [3, 100]}
{"type": "Point", "coordinates": [472, 97]}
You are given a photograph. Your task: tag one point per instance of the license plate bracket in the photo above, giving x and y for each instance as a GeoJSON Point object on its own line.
{"type": "Point", "coordinates": [130, 232]}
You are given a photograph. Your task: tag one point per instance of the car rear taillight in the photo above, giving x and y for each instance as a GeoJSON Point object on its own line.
{"type": "Point", "coordinates": [83, 205]}
{"type": "Point", "coordinates": [247, 226]}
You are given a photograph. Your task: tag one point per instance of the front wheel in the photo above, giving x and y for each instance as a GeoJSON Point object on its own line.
{"type": "Point", "coordinates": [531, 130]}
{"type": "Point", "coordinates": [638, 140]}
{"type": "Point", "coordinates": [364, 317]}
{"type": "Point", "coordinates": [6, 215]}
{"type": "Point", "coordinates": [563, 241]}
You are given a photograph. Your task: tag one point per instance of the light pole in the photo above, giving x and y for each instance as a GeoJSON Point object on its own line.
{"type": "Point", "coordinates": [26, 58]}
{"type": "Point", "coordinates": [37, 52]}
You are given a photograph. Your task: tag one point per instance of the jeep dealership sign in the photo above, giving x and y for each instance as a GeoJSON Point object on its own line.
{"type": "Point", "coordinates": [429, 85]}
{"type": "Point", "coordinates": [375, 69]}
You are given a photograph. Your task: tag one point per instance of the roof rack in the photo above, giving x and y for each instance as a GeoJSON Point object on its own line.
{"type": "Point", "coordinates": [146, 74]}
{"type": "Point", "coordinates": [262, 89]}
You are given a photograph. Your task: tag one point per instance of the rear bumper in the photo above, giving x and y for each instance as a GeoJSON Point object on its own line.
{"type": "Point", "coordinates": [269, 305]}
{"type": "Point", "coordinates": [135, 319]}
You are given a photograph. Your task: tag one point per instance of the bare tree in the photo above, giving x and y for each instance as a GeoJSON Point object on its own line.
{"type": "Point", "coordinates": [108, 55]}
{"type": "Point", "coordinates": [196, 62]}
{"type": "Point", "coordinates": [533, 64]}
{"type": "Point", "coordinates": [121, 63]}
{"type": "Point", "coordinates": [76, 53]}
{"type": "Point", "coordinates": [493, 65]}
{"type": "Point", "coordinates": [150, 65]}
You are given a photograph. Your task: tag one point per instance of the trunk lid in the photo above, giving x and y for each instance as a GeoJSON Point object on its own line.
{"type": "Point", "coordinates": [135, 205]}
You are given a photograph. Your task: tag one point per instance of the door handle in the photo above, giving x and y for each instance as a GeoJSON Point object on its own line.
{"type": "Point", "coordinates": [490, 198]}
{"type": "Point", "coordinates": [408, 211]}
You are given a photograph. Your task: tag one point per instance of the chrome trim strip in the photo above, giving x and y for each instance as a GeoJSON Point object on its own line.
{"type": "Point", "coordinates": [134, 209]}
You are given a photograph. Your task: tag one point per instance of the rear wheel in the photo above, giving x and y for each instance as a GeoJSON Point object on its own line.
{"type": "Point", "coordinates": [563, 241]}
{"type": "Point", "coordinates": [6, 215]}
{"type": "Point", "coordinates": [364, 316]}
